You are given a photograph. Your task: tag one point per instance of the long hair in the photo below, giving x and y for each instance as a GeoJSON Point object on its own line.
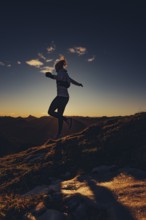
{"type": "Point", "coordinates": [60, 64]}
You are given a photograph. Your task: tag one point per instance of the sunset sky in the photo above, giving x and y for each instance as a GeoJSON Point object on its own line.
{"type": "Point", "coordinates": [104, 43]}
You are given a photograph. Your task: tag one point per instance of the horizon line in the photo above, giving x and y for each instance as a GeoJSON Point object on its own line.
{"type": "Point", "coordinates": [85, 116]}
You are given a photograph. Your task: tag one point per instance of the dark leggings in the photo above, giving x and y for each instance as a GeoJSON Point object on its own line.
{"type": "Point", "coordinates": [59, 104]}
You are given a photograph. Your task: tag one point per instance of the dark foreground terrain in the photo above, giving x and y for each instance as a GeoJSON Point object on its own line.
{"type": "Point", "coordinates": [17, 134]}
{"type": "Point", "coordinates": [96, 173]}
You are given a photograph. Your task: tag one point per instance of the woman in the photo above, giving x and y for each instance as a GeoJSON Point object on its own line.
{"type": "Point", "coordinates": [59, 103]}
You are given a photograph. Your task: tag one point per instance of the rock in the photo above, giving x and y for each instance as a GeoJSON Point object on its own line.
{"type": "Point", "coordinates": [37, 190]}
{"type": "Point", "coordinates": [29, 216]}
{"type": "Point", "coordinates": [40, 208]}
{"type": "Point", "coordinates": [136, 173]}
{"type": "Point", "coordinates": [67, 175]}
{"type": "Point", "coordinates": [54, 187]}
{"type": "Point", "coordinates": [80, 212]}
{"type": "Point", "coordinates": [82, 208]}
{"type": "Point", "coordinates": [52, 214]}
{"type": "Point", "coordinates": [73, 202]}
{"type": "Point", "coordinates": [102, 168]}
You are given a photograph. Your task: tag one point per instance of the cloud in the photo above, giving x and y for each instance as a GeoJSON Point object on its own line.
{"type": "Point", "coordinates": [91, 59]}
{"type": "Point", "coordinates": [81, 50]}
{"type": "Point", "coordinates": [2, 63]}
{"type": "Point", "coordinates": [51, 49]}
{"type": "Point", "coordinates": [6, 64]}
{"type": "Point", "coordinates": [71, 50]}
{"type": "Point", "coordinates": [45, 69]}
{"type": "Point", "coordinates": [78, 50]}
{"type": "Point", "coordinates": [49, 60]}
{"type": "Point", "coordinates": [43, 114]}
{"type": "Point", "coordinates": [35, 62]}
{"type": "Point", "coordinates": [41, 56]}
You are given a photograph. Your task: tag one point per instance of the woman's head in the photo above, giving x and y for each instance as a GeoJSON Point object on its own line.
{"type": "Point", "coordinates": [60, 65]}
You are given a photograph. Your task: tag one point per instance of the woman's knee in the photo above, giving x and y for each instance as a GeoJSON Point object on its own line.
{"type": "Point", "coordinates": [50, 112]}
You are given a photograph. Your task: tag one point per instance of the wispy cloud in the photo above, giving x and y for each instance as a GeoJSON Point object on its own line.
{"type": "Point", "coordinates": [35, 62]}
{"type": "Point", "coordinates": [5, 64]}
{"type": "Point", "coordinates": [49, 60]}
{"type": "Point", "coordinates": [45, 69]}
{"type": "Point", "coordinates": [43, 114]}
{"type": "Point", "coordinates": [78, 50]}
{"type": "Point", "coordinates": [2, 63]}
{"type": "Point", "coordinates": [91, 59]}
{"type": "Point", "coordinates": [71, 50]}
{"type": "Point", "coordinates": [41, 56]}
{"type": "Point", "coordinates": [50, 49]}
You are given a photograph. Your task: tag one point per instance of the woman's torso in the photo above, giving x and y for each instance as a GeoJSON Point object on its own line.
{"type": "Point", "coordinates": [62, 76]}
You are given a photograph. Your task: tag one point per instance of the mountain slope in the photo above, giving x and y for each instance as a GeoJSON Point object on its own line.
{"type": "Point", "coordinates": [114, 150]}
{"type": "Point", "coordinates": [17, 134]}
{"type": "Point", "coordinates": [118, 141]}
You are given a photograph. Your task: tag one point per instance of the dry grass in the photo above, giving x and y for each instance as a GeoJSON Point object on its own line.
{"type": "Point", "coordinates": [15, 206]}
{"type": "Point", "coordinates": [130, 192]}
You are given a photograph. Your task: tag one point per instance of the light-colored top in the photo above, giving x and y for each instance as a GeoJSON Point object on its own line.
{"type": "Point", "coordinates": [63, 76]}
{"type": "Point", "coordinates": [63, 82]}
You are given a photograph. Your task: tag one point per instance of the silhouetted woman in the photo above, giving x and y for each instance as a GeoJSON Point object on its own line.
{"type": "Point", "coordinates": [59, 103]}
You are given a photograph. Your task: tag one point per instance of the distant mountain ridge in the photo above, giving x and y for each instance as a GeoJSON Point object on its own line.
{"type": "Point", "coordinates": [17, 134]}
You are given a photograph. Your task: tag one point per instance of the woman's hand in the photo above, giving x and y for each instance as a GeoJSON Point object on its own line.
{"type": "Point", "coordinates": [50, 75]}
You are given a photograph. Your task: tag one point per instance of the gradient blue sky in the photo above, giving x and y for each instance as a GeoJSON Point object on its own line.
{"type": "Point", "coordinates": [104, 43]}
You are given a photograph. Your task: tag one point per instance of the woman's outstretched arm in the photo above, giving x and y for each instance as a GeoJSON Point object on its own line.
{"type": "Point", "coordinates": [50, 75]}
{"type": "Point", "coordinates": [75, 82]}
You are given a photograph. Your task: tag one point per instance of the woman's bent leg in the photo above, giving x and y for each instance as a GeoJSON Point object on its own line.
{"type": "Point", "coordinates": [54, 105]}
{"type": "Point", "coordinates": [58, 103]}
{"type": "Point", "coordinates": [61, 118]}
